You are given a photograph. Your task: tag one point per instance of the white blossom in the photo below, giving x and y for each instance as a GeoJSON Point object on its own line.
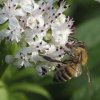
{"type": "Point", "coordinates": [9, 13]}
{"type": "Point", "coordinates": [43, 28]}
{"type": "Point", "coordinates": [61, 29]}
{"type": "Point", "coordinates": [24, 57]}
{"type": "Point", "coordinates": [25, 5]}
{"type": "Point", "coordinates": [14, 34]}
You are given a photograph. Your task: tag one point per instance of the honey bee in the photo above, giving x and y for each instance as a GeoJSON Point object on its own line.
{"type": "Point", "coordinates": [73, 66]}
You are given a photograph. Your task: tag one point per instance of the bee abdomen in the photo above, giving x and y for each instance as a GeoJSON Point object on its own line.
{"type": "Point", "coordinates": [61, 76]}
{"type": "Point", "coordinates": [70, 71]}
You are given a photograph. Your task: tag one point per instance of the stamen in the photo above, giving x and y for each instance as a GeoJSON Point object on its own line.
{"type": "Point", "coordinates": [39, 8]}
{"type": "Point", "coordinates": [9, 7]}
{"type": "Point", "coordinates": [43, 10]}
{"type": "Point", "coordinates": [40, 43]}
{"type": "Point", "coordinates": [57, 49]}
{"type": "Point", "coordinates": [37, 46]}
{"type": "Point", "coordinates": [37, 26]}
{"type": "Point", "coordinates": [42, 30]}
{"type": "Point", "coordinates": [51, 21]}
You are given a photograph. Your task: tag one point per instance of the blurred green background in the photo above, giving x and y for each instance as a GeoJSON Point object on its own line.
{"type": "Point", "coordinates": [25, 84]}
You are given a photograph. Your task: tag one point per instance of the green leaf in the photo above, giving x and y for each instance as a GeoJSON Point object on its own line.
{"type": "Point", "coordinates": [22, 73]}
{"type": "Point", "coordinates": [94, 53]}
{"type": "Point", "coordinates": [27, 87]}
{"type": "Point", "coordinates": [88, 93]}
{"type": "Point", "coordinates": [3, 26]}
{"type": "Point", "coordinates": [69, 2]}
{"type": "Point", "coordinates": [18, 96]}
{"type": "Point", "coordinates": [84, 10]}
{"type": "Point", "coordinates": [3, 92]}
{"type": "Point", "coordinates": [89, 32]}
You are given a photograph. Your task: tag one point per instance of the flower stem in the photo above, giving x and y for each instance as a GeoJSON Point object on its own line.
{"type": "Point", "coordinates": [3, 53]}
{"type": "Point", "coordinates": [3, 68]}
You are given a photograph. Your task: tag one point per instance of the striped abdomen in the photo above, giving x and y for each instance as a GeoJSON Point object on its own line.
{"type": "Point", "coordinates": [65, 73]}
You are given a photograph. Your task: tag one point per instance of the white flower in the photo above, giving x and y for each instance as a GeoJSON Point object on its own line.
{"type": "Point", "coordinates": [11, 34]}
{"type": "Point", "coordinates": [14, 34]}
{"type": "Point", "coordinates": [24, 57]}
{"type": "Point", "coordinates": [2, 35]}
{"type": "Point", "coordinates": [55, 52]}
{"type": "Point", "coordinates": [24, 5]}
{"type": "Point", "coordinates": [36, 57]}
{"type": "Point", "coordinates": [22, 21]}
{"type": "Point", "coordinates": [52, 14]}
{"type": "Point", "coordinates": [9, 13]}
{"type": "Point", "coordinates": [33, 22]}
{"type": "Point", "coordinates": [36, 16]}
{"type": "Point", "coordinates": [61, 29]}
{"type": "Point", "coordinates": [43, 69]}
{"type": "Point", "coordinates": [27, 55]}
{"type": "Point", "coordinates": [43, 28]}
{"type": "Point", "coordinates": [33, 37]}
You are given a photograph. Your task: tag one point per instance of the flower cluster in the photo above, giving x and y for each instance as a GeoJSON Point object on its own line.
{"type": "Point", "coordinates": [43, 26]}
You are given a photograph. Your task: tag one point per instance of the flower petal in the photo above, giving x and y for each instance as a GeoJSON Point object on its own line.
{"type": "Point", "coordinates": [20, 12]}
{"type": "Point", "coordinates": [13, 22]}
{"type": "Point", "coordinates": [40, 20]}
{"type": "Point", "coordinates": [3, 18]}
{"type": "Point", "coordinates": [27, 8]}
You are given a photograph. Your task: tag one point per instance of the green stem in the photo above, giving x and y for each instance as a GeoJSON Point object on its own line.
{"type": "Point", "coordinates": [3, 52]}
{"type": "Point", "coordinates": [3, 68]}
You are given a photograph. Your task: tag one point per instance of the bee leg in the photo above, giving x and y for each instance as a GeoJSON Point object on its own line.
{"type": "Point", "coordinates": [81, 44]}
{"type": "Point", "coordinates": [50, 59]}
{"type": "Point", "coordinates": [66, 61]}
{"type": "Point", "coordinates": [73, 39]}
{"type": "Point", "coordinates": [70, 54]}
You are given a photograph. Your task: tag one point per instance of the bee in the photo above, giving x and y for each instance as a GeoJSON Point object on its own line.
{"type": "Point", "coordinates": [73, 66]}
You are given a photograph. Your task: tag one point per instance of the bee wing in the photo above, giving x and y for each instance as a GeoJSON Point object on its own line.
{"type": "Point", "coordinates": [78, 70]}
{"type": "Point", "coordinates": [87, 73]}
